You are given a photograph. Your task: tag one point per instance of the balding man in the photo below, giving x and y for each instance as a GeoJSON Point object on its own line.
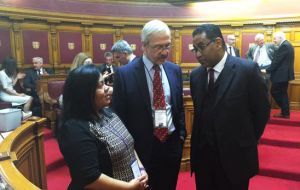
{"type": "Point", "coordinates": [231, 50]}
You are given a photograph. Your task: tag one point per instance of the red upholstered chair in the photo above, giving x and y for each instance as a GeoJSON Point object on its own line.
{"type": "Point", "coordinates": [4, 105]}
{"type": "Point", "coordinates": [49, 88]}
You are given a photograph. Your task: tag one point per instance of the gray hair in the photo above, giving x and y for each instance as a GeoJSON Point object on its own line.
{"type": "Point", "coordinates": [108, 54]}
{"type": "Point", "coordinates": [280, 34]}
{"type": "Point", "coordinates": [230, 36]}
{"type": "Point", "coordinates": [121, 46]}
{"type": "Point", "coordinates": [37, 59]}
{"type": "Point", "coordinates": [259, 36]}
{"type": "Point", "coordinates": [154, 26]}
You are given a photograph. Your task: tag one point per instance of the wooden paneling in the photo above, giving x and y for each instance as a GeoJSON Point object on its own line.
{"type": "Point", "coordinates": [5, 43]}
{"type": "Point", "coordinates": [101, 44]}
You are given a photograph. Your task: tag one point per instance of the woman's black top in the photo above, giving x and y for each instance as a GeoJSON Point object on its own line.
{"type": "Point", "coordinates": [91, 149]}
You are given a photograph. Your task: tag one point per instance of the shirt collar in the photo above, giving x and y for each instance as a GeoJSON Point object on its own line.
{"type": "Point", "coordinates": [219, 67]}
{"type": "Point", "coordinates": [149, 65]}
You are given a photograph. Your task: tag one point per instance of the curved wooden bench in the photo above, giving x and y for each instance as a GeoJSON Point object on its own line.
{"type": "Point", "coordinates": [24, 166]}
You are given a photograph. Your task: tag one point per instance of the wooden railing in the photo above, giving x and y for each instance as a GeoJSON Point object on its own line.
{"type": "Point", "coordinates": [22, 161]}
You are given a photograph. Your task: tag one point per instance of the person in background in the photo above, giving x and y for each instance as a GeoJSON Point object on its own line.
{"type": "Point", "coordinates": [262, 53]}
{"type": "Point", "coordinates": [108, 68]}
{"type": "Point", "coordinates": [9, 76]}
{"type": "Point", "coordinates": [148, 98]}
{"type": "Point", "coordinates": [122, 52]}
{"type": "Point", "coordinates": [30, 82]}
{"type": "Point", "coordinates": [96, 145]}
{"type": "Point", "coordinates": [282, 71]}
{"type": "Point", "coordinates": [230, 46]}
{"type": "Point", "coordinates": [231, 109]}
{"type": "Point", "coordinates": [80, 59]}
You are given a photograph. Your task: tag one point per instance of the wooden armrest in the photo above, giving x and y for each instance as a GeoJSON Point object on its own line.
{"type": "Point", "coordinates": [49, 100]}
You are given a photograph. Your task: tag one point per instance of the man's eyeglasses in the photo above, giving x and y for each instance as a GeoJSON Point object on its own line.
{"type": "Point", "coordinates": [201, 48]}
{"type": "Point", "coordinates": [161, 47]}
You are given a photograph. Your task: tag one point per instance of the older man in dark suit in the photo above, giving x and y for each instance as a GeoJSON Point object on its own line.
{"type": "Point", "coordinates": [30, 82]}
{"type": "Point", "coordinates": [282, 71]}
{"type": "Point", "coordinates": [148, 98]}
{"type": "Point", "coordinates": [262, 53]}
{"type": "Point", "coordinates": [231, 111]}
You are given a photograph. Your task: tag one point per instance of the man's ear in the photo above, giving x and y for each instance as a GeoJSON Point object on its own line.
{"type": "Point", "coordinates": [218, 41]}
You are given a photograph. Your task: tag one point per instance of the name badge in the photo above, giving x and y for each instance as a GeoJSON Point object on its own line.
{"type": "Point", "coordinates": [135, 169]}
{"type": "Point", "coordinates": [160, 118]}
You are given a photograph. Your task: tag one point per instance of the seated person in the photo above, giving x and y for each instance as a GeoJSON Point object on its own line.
{"type": "Point", "coordinates": [108, 68]}
{"type": "Point", "coordinates": [30, 81]}
{"type": "Point", "coordinates": [8, 78]}
{"type": "Point", "coordinates": [96, 145]}
{"type": "Point", "coordinates": [80, 59]}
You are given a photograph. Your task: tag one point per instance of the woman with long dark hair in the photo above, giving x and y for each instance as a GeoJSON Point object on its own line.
{"type": "Point", "coordinates": [8, 78]}
{"type": "Point", "coordinates": [96, 145]}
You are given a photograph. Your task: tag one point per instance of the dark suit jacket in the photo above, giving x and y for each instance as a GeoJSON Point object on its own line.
{"type": "Point", "coordinates": [31, 79]}
{"type": "Point", "coordinates": [131, 101]}
{"type": "Point", "coordinates": [102, 68]}
{"type": "Point", "coordinates": [282, 66]}
{"type": "Point", "coordinates": [236, 51]}
{"type": "Point", "coordinates": [270, 51]}
{"type": "Point", "coordinates": [240, 113]}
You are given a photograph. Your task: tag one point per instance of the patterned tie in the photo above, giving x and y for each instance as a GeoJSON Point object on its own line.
{"type": "Point", "coordinates": [211, 81]}
{"type": "Point", "coordinates": [159, 103]}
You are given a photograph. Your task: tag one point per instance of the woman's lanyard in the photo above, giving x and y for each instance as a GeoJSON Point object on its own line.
{"type": "Point", "coordinates": [115, 132]}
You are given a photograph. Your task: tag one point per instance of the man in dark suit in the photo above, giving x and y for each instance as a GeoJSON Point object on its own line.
{"type": "Point", "coordinates": [231, 109]}
{"type": "Point", "coordinates": [282, 71]}
{"type": "Point", "coordinates": [148, 98]}
{"type": "Point", "coordinates": [108, 68]}
{"type": "Point", "coordinates": [262, 53]}
{"type": "Point", "coordinates": [123, 53]}
{"type": "Point", "coordinates": [30, 81]}
{"type": "Point", "coordinates": [230, 46]}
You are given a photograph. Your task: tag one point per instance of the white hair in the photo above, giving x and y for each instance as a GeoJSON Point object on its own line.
{"type": "Point", "coordinates": [37, 59]}
{"type": "Point", "coordinates": [230, 36]}
{"type": "Point", "coordinates": [259, 36]}
{"type": "Point", "coordinates": [153, 26]}
{"type": "Point", "coordinates": [280, 35]}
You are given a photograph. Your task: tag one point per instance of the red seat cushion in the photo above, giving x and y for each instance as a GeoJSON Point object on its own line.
{"type": "Point", "coordinates": [55, 88]}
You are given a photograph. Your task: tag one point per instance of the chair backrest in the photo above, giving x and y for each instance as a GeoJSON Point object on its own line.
{"type": "Point", "coordinates": [55, 88]}
{"type": "Point", "coordinates": [4, 105]}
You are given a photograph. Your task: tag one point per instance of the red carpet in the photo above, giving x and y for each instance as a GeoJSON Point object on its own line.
{"type": "Point", "coordinates": [279, 155]}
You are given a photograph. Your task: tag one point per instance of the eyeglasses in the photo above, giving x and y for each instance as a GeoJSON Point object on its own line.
{"type": "Point", "coordinates": [201, 48]}
{"type": "Point", "coordinates": [161, 47]}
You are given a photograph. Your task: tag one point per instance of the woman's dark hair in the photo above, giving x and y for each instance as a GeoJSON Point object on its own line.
{"type": "Point", "coordinates": [9, 65]}
{"type": "Point", "coordinates": [79, 94]}
{"type": "Point", "coordinates": [212, 32]}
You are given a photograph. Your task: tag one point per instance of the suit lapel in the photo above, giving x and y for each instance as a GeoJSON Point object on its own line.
{"type": "Point", "coordinates": [172, 81]}
{"type": "Point", "coordinates": [225, 79]}
{"type": "Point", "coordinates": [141, 80]}
{"type": "Point", "coordinates": [202, 89]}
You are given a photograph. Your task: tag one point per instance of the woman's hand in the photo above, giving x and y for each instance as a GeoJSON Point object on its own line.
{"type": "Point", "coordinates": [20, 75]}
{"type": "Point", "coordinates": [106, 74]}
{"type": "Point", "coordinates": [139, 183]}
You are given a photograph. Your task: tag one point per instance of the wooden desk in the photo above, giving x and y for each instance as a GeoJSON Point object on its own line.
{"type": "Point", "coordinates": [25, 167]}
